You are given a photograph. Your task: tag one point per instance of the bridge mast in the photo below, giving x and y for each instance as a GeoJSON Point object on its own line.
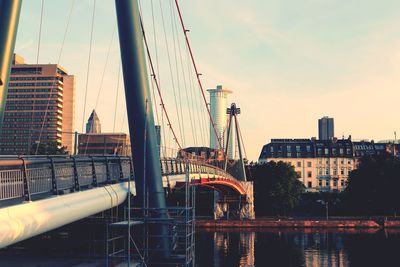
{"type": "Point", "coordinates": [148, 177]}
{"type": "Point", "coordinates": [233, 111]}
{"type": "Point", "coordinates": [9, 18]}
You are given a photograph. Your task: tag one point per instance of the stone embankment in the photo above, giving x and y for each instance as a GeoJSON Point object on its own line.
{"type": "Point", "coordinates": [268, 223]}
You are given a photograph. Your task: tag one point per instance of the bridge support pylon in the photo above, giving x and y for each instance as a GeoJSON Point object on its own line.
{"type": "Point", "coordinates": [232, 208]}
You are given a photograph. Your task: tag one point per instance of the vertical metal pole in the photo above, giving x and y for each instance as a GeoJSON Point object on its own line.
{"type": "Point", "coordinates": [228, 136]}
{"type": "Point", "coordinates": [9, 17]}
{"type": "Point", "coordinates": [137, 95]}
{"type": "Point", "coordinates": [75, 142]}
{"type": "Point", "coordinates": [242, 171]}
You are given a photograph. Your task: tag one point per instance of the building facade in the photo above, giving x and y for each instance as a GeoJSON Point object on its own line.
{"type": "Point", "coordinates": [321, 165]}
{"type": "Point", "coordinates": [326, 129]}
{"type": "Point", "coordinates": [39, 108]}
{"type": "Point", "coordinates": [100, 144]}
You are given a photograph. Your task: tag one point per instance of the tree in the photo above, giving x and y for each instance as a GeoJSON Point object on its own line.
{"type": "Point", "coordinates": [373, 187]}
{"type": "Point", "coordinates": [52, 148]}
{"type": "Point", "coordinates": [277, 189]}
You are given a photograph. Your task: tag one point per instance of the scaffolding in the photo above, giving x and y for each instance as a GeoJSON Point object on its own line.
{"type": "Point", "coordinates": [135, 240]}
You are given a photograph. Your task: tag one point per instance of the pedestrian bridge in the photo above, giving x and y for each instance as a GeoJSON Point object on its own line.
{"type": "Point", "coordinates": [38, 194]}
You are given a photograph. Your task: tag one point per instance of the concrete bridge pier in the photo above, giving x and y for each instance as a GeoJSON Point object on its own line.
{"type": "Point", "coordinates": [226, 207]}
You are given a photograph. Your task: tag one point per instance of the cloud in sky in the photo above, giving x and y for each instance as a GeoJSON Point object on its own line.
{"type": "Point", "coordinates": [288, 62]}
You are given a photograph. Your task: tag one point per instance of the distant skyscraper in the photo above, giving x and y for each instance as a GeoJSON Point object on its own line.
{"type": "Point", "coordinates": [93, 125]}
{"type": "Point", "coordinates": [325, 128]}
{"type": "Point", "coordinates": [218, 105]}
{"type": "Point", "coordinates": [39, 107]}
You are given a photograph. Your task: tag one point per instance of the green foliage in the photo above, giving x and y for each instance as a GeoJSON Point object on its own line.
{"type": "Point", "coordinates": [373, 188]}
{"type": "Point", "coordinates": [52, 148]}
{"type": "Point", "coordinates": [277, 189]}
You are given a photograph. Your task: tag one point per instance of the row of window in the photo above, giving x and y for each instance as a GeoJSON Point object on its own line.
{"type": "Point", "coordinates": [32, 108]}
{"type": "Point", "coordinates": [28, 102]}
{"type": "Point", "coordinates": [31, 84]}
{"type": "Point", "coordinates": [326, 184]}
{"type": "Point", "coordinates": [12, 96]}
{"type": "Point", "coordinates": [23, 71]}
{"type": "Point", "coordinates": [35, 114]}
{"type": "Point", "coordinates": [36, 78]}
{"type": "Point", "coordinates": [12, 125]}
{"type": "Point", "coordinates": [34, 119]}
{"type": "Point", "coordinates": [31, 90]}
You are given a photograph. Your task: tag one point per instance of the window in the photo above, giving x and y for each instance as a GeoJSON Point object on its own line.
{"type": "Point", "coordinates": [341, 151]}
{"type": "Point", "coordinates": [326, 151]}
{"type": "Point", "coordinates": [299, 164]}
{"type": "Point", "coordinates": [272, 149]}
{"type": "Point", "coordinates": [348, 151]}
{"type": "Point", "coordinates": [342, 182]}
{"type": "Point", "coordinates": [327, 171]}
{"type": "Point", "coordinates": [288, 148]}
{"type": "Point", "coordinates": [309, 174]}
{"type": "Point", "coordinates": [320, 183]}
{"type": "Point", "coordinates": [309, 165]}
{"type": "Point", "coordinates": [320, 171]}
{"type": "Point", "coordinates": [327, 183]}
{"type": "Point", "coordinates": [289, 155]}
{"type": "Point", "coordinates": [309, 184]}
{"type": "Point", "coordinates": [308, 149]}
{"type": "Point", "coordinates": [298, 174]}
{"type": "Point", "coordinates": [319, 151]}
{"type": "Point", "coordinates": [342, 171]}
{"type": "Point", "coordinates": [333, 151]}
{"type": "Point", "coordinates": [335, 183]}
{"type": "Point", "coordinates": [297, 148]}
{"type": "Point", "coordinates": [334, 171]}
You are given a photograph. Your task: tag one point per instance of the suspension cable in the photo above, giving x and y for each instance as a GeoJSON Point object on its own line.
{"type": "Point", "coordinates": [175, 33]}
{"type": "Point", "coordinates": [185, 31]}
{"type": "Point", "coordinates": [116, 96]}
{"type": "Point", "coordinates": [153, 74]}
{"type": "Point", "coordinates": [180, 126]}
{"type": "Point", "coordinates": [55, 74]}
{"type": "Point", "coordinates": [37, 62]}
{"type": "Point", "coordinates": [88, 65]}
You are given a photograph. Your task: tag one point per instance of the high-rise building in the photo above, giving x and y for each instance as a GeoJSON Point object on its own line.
{"type": "Point", "coordinates": [39, 107]}
{"type": "Point", "coordinates": [325, 128]}
{"type": "Point", "coordinates": [218, 106]}
{"type": "Point", "coordinates": [93, 125]}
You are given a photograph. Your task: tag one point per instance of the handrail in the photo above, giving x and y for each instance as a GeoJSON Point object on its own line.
{"type": "Point", "coordinates": [23, 176]}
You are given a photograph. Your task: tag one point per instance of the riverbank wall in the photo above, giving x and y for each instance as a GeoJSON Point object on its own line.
{"type": "Point", "coordinates": [267, 223]}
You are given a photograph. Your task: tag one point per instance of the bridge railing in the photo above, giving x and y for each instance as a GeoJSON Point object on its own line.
{"type": "Point", "coordinates": [23, 177]}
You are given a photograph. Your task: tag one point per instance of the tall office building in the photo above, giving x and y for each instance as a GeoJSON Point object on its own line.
{"type": "Point", "coordinates": [39, 108]}
{"type": "Point", "coordinates": [325, 128]}
{"type": "Point", "coordinates": [218, 106]}
{"type": "Point", "coordinates": [93, 125]}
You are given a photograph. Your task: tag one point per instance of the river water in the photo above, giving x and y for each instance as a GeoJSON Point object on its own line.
{"type": "Point", "coordinates": [305, 247]}
{"type": "Point", "coordinates": [238, 248]}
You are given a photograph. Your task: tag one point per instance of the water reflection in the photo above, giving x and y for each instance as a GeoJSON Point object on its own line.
{"type": "Point", "coordinates": [307, 247]}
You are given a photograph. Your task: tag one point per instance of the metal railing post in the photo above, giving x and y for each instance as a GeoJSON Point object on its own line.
{"type": "Point", "coordinates": [108, 171]}
{"type": "Point", "coordinates": [121, 174]}
{"type": "Point", "coordinates": [27, 193]}
{"type": "Point", "coordinates": [53, 177]}
{"type": "Point", "coordinates": [76, 176]}
{"type": "Point", "coordinates": [94, 176]}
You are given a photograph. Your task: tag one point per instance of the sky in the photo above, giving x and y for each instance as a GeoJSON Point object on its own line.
{"type": "Point", "coordinates": [288, 63]}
